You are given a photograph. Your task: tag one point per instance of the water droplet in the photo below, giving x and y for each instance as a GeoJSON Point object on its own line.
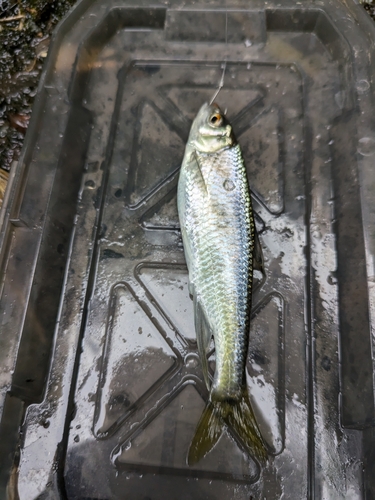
{"type": "Point", "coordinates": [90, 184]}
{"type": "Point", "coordinates": [45, 423]}
{"type": "Point", "coordinates": [128, 446]}
{"type": "Point", "coordinates": [228, 185]}
{"type": "Point", "coordinates": [366, 146]}
{"type": "Point", "coordinates": [191, 360]}
{"type": "Point", "coordinates": [362, 86]}
{"type": "Point", "coordinates": [248, 43]}
{"type": "Point", "coordinates": [332, 280]}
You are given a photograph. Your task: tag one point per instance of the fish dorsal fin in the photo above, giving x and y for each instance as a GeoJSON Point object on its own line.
{"type": "Point", "coordinates": [204, 335]}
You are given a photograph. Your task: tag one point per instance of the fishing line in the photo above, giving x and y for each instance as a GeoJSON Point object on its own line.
{"type": "Point", "coordinates": [221, 84]}
{"type": "Point", "coordinates": [224, 66]}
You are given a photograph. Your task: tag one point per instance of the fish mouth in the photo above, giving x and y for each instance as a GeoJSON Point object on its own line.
{"type": "Point", "coordinates": [223, 135]}
{"type": "Point", "coordinates": [212, 132]}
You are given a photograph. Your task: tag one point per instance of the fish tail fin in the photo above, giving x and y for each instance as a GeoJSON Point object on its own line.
{"type": "Point", "coordinates": [239, 417]}
{"type": "Point", "coordinates": [208, 431]}
{"type": "Point", "coordinates": [242, 420]}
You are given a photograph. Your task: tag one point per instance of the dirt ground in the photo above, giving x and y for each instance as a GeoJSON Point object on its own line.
{"type": "Point", "coordinates": [25, 30]}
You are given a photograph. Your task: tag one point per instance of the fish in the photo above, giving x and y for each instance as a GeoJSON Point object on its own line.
{"type": "Point", "coordinates": [222, 250]}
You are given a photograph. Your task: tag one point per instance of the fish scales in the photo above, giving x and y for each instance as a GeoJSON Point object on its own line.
{"type": "Point", "coordinates": [220, 223]}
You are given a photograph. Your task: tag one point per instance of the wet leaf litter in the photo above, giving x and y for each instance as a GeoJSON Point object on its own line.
{"type": "Point", "coordinates": [25, 31]}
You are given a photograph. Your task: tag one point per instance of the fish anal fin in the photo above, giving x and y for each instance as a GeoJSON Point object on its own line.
{"type": "Point", "coordinates": [207, 434]}
{"type": "Point", "coordinates": [203, 333]}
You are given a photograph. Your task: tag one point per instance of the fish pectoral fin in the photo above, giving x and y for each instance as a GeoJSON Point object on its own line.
{"type": "Point", "coordinates": [258, 261]}
{"type": "Point", "coordinates": [207, 434]}
{"type": "Point", "coordinates": [203, 333]}
{"type": "Point", "coordinates": [195, 162]}
{"type": "Point", "coordinates": [242, 420]}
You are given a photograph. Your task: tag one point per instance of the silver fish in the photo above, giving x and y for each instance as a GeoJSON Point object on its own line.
{"type": "Point", "coordinates": [221, 249]}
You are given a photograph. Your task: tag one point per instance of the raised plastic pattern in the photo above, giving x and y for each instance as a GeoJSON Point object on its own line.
{"type": "Point", "coordinates": [160, 287]}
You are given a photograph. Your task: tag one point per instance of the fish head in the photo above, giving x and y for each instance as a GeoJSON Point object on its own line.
{"type": "Point", "coordinates": [210, 131]}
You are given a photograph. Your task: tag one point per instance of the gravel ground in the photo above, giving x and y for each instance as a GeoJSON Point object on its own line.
{"type": "Point", "coordinates": [25, 30]}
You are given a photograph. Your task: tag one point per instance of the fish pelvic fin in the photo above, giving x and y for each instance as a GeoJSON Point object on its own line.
{"type": "Point", "coordinates": [239, 417]}
{"type": "Point", "coordinates": [204, 335]}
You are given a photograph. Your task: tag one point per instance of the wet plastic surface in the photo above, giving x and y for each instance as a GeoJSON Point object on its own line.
{"type": "Point", "coordinates": [100, 365]}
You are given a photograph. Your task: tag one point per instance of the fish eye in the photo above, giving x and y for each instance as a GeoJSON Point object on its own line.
{"type": "Point", "coordinates": [216, 119]}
